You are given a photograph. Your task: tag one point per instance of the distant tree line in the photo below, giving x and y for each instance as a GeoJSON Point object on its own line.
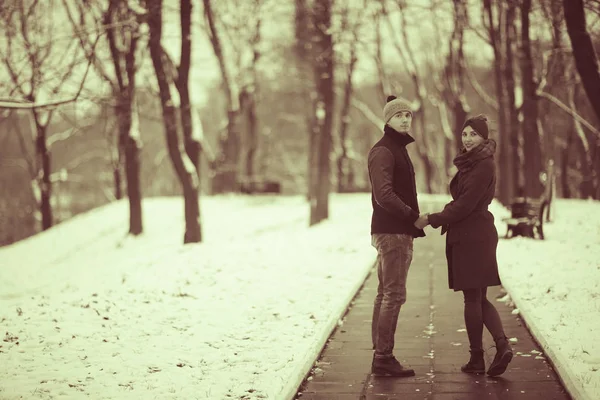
{"type": "Point", "coordinates": [286, 110]}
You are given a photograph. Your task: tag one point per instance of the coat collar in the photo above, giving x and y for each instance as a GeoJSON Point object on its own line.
{"type": "Point", "coordinates": [400, 138]}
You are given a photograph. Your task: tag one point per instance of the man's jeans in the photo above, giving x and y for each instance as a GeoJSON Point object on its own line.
{"type": "Point", "coordinates": [394, 255]}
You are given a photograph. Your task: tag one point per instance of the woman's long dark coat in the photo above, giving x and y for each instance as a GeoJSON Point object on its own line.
{"type": "Point", "coordinates": [472, 238]}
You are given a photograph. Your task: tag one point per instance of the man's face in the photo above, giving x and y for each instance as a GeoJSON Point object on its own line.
{"type": "Point", "coordinates": [401, 121]}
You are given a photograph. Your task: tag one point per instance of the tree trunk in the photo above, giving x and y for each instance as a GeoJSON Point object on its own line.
{"type": "Point", "coordinates": [502, 159]}
{"type": "Point", "coordinates": [192, 144]}
{"type": "Point", "coordinates": [448, 143]}
{"type": "Point", "coordinates": [193, 232]}
{"type": "Point", "coordinates": [312, 169]}
{"type": "Point", "coordinates": [596, 195]}
{"type": "Point", "coordinates": [453, 77]}
{"type": "Point", "coordinates": [186, 173]}
{"type": "Point", "coordinates": [117, 182]}
{"type": "Point", "coordinates": [248, 112]}
{"type": "Point", "coordinates": [555, 67]}
{"type": "Point", "coordinates": [587, 167]}
{"type": "Point", "coordinates": [343, 162]}
{"type": "Point", "coordinates": [510, 160]}
{"type": "Point", "coordinates": [226, 174]}
{"type": "Point", "coordinates": [129, 142]}
{"type": "Point", "coordinates": [460, 116]}
{"type": "Point", "coordinates": [383, 82]}
{"type": "Point", "coordinates": [586, 60]}
{"type": "Point", "coordinates": [424, 149]}
{"type": "Point", "coordinates": [531, 138]}
{"type": "Point", "coordinates": [304, 55]}
{"type": "Point", "coordinates": [324, 106]}
{"type": "Point", "coordinates": [564, 172]}
{"type": "Point", "coordinates": [123, 59]}
{"type": "Point", "coordinates": [302, 21]}
{"type": "Point", "coordinates": [455, 68]}
{"type": "Point", "coordinates": [132, 145]}
{"type": "Point", "coordinates": [408, 58]}
{"type": "Point", "coordinates": [131, 139]}
{"type": "Point", "coordinates": [45, 184]}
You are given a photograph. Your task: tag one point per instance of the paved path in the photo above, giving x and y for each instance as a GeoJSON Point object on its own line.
{"type": "Point", "coordinates": [431, 339]}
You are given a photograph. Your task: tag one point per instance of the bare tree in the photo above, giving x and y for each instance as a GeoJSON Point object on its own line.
{"type": "Point", "coordinates": [322, 51]}
{"type": "Point", "coordinates": [585, 159]}
{"type": "Point", "coordinates": [348, 39]}
{"type": "Point", "coordinates": [498, 19]}
{"type": "Point", "coordinates": [226, 164]}
{"type": "Point", "coordinates": [534, 164]}
{"type": "Point", "coordinates": [193, 146]}
{"type": "Point", "coordinates": [441, 95]}
{"type": "Point", "coordinates": [579, 123]}
{"type": "Point", "coordinates": [243, 32]}
{"type": "Point", "coordinates": [303, 52]}
{"type": "Point", "coordinates": [29, 54]}
{"type": "Point", "coordinates": [511, 160]}
{"type": "Point", "coordinates": [184, 169]}
{"type": "Point", "coordinates": [383, 81]}
{"type": "Point", "coordinates": [454, 70]}
{"type": "Point", "coordinates": [123, 44]}
{"type": "Point", "coordinates": [191, 136]}
{"type": "Point", "coordinates": [586, 62]}
{"type": "Point", "coordinates": [122, 20]}
{"type": "Point", "coordinates": [410, 65]}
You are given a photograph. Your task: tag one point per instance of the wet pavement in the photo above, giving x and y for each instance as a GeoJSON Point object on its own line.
{"type": "Point", "coordinates": [432, 340]}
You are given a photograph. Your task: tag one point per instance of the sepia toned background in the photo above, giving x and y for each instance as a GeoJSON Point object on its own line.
{"type": "Point", "coordinates": [286, 92]}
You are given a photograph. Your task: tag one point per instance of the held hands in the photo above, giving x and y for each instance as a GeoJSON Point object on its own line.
{"type": "Point", "coordinates": [422, 221]}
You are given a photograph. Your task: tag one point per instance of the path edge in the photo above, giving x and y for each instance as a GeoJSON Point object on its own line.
{"type": "Point", "coordinates": [560, 365]}
{"type": "Point", "coordinates": [308, 359]}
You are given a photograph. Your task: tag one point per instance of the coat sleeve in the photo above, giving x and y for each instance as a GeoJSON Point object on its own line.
{"type": "Point", "coordinates": [475, 186]}
{"type": "Point", "coordinates": [381, 173]}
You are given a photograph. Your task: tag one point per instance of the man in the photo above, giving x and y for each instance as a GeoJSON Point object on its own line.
{"type": "Point", "coordinates": [395, 211]}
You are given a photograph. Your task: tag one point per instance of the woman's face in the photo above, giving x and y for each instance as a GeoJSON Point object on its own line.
{"type": "Point", "coordinates": [471, 139]}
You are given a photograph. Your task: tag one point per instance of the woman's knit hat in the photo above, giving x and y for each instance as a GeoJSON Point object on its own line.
{"type": "Point", "coordinates": [479, 125]}
{"type": "Point", "coordinates": [393, 106]}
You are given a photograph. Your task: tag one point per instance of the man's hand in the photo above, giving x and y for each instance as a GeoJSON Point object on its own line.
{"type": "Point", "coordinates": [422, 221]}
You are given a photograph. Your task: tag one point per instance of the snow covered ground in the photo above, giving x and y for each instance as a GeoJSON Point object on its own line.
{"type": "Point", "coordinates": [555, 284]}
{"type": "Point", "coordinates": [236, 317]}
{"type": "Point", "coordinates": [89, 313]}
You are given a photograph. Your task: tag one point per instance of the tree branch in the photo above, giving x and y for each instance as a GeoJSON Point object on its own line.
{"type": "Point", "coordinates": [490, 101]}
{"type": "Point", "coordinates": [84, 41]}
{"type": "Point", "coordinates": [569, 111]}
{"type": "Point", "coordinates": [24, 152]}
{"type": "Point", "coordinates": [20, 105]}
{"type": "Point", "coordinates": [367, 112]}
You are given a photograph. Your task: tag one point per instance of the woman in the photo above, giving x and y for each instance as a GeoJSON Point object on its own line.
{"type": "Point", "coordinates": [471, 243]}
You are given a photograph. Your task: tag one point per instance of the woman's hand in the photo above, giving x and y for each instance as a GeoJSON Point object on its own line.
{"type": "Point", "coordinates": [422, 221]}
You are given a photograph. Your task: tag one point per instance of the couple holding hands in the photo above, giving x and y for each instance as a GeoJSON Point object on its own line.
{"type": "Point", "coordinates": [471, 237]}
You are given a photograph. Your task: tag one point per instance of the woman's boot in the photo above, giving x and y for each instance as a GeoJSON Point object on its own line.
{"type": "Point", "coordinates": [476, 364]}
{"type": "Point", "coordinates": [503, 356]}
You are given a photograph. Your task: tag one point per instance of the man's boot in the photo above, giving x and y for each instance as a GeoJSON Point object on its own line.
{"type": "Point", "coordinates": [504, 355]}
{"type": "Point", "coordinates": [389, 366]}
{"type": "Point", "coordinates": [476, 364]}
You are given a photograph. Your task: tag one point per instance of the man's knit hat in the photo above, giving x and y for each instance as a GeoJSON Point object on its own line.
{"type": "Point", "coordinates": [479, 124]}
{"type": "Point", "coordinates": [393, 106]}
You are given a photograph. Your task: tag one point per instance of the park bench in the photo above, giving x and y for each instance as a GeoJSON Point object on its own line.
{"type": "Point", "coordinates": [256, 186]}
{"type": "Point", "coordinates": [528, 214]}
{"type": "Point", "coordinates": [527, 217]}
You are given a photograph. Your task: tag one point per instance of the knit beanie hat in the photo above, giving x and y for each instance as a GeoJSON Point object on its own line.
{"type": "Point", "coordinates": [393, 106]}
{"type": "Point", "coordinates": [479, 125]}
